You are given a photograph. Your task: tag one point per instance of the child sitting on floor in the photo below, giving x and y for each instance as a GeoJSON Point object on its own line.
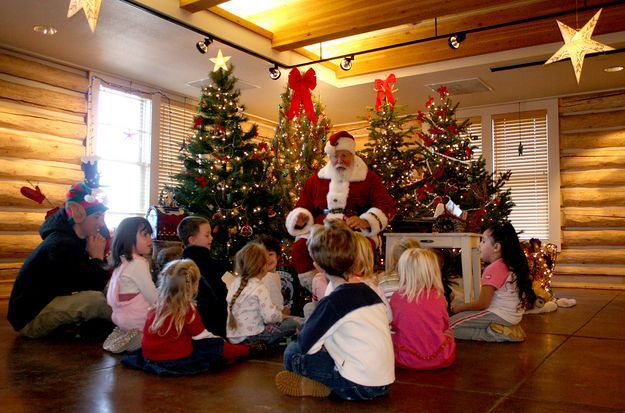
{"type": "Point", "coordinates": [272, 278]}
{"type": "Point", "coordinates": [389, 282]}
{"type": "Point", "coordinates": [506, 291]}
{"type": "Point", "coordinates": [131, 289]}
{"type": "Point", "coordinates": [175, 341]}
{"type": "Point", "coordinates": [345, 347]}
{"type": "Point", "coordinates": [252, 316]}
{"type": "Point", "coordinates": [423, 339]}
{"type": "Point", "coordinates": [195, 234]}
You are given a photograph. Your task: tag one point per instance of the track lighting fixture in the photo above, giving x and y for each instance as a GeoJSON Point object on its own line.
{"type": "Point", "coordinates": [346, 63]}
{"type": "Point", "coordinates": [274, 72]}
{"type": "Point", "coordinates": [202, 47]}
{"type": "Point", "coordinates": [456, 39]}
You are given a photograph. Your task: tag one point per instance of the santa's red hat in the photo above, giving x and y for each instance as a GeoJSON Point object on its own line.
{"type": "Point", "coordinates": [340, 141]}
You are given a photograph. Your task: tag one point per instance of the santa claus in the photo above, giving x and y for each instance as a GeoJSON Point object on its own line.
{"type": "Point", "coordinates": [343, 189]}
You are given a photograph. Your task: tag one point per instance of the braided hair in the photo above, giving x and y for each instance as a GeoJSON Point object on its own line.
{"type": "Point", "coordinates": [249, 262]}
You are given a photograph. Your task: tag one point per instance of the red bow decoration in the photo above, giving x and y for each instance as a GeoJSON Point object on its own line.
{"type": "Point", "coordinates": [385, 90]}
{"type": "Point", "coordinates": [301, 93]}
{"type": "Point", "coordinates": [33, 194]}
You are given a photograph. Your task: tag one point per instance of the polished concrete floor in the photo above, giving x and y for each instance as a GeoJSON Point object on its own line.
{"type": "Point", "coordinates": [572, 361]}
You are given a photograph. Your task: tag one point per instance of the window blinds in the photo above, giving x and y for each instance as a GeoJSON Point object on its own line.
{"type": "Point", "coordinates": [529, 182]}
{"type": "Point", "coordinates": [176, 125]}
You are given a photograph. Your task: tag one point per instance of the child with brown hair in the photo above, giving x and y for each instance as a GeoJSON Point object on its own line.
{"type": "Point", "coordinates": [175, 341]}
{"type": "Point", "coordinates": [252, 316]}
{"type": "Point", "coordinates": [345, 347]}
{"type": "Point", "coordinates": [196, 236]}
{"type": "Point", "coordinates": [423, 339]}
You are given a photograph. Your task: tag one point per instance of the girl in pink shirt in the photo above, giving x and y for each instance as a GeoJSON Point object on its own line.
{"type": "Point", "coordinates": [422, 339]}
{"type": "Point", "coordinates": [506, 291]}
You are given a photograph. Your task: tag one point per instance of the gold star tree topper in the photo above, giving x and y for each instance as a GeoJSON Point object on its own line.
{"type": "Point", "coordinates": [90, 7]}
{"type": "Point", "coordinates": [220, 61]}
{"type": "Point", "coordinates": [577, 44]}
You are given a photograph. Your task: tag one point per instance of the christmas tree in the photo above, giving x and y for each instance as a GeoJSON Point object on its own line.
{"type": "Point", "coordinates": [298, 145]}
{"type": "Point", "coordinates": [456, 188]}
{"type": "Point", "coordinates": [225, 171]}
{"type": "Point", "coordinates": [391, 151]}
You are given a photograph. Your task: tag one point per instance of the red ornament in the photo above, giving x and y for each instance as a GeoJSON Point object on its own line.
{"type": "Point", "coordinates": [301, 86]}
{"type": "Point", "coordinates": [385, 90]}
{"type": "Point", "coordinates": [271, 212]}
{"type": "Point", "coordinates": [442, 92]}
{"type": "Point", "coordinates": [198, 122]}
{"type": "Point", "coordinates": [202, 181]}
{"type": "Point", "coordinates": [247, 230]}
{"type": "Point", "coordinates": [429, 103]}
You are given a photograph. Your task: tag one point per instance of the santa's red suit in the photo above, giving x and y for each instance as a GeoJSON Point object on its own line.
{"type": "Point", "coordinates": [332, 195]}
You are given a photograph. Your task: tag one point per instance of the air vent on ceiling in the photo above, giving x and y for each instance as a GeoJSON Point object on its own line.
{"type": "Point", "coordinates": [241, 84]}
{"type": "Point", "coordinates": [462, 87]}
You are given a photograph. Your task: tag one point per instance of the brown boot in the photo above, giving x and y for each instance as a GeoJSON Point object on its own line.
{"type": "Point", "coordinates": [515, 332]}
{"type": "Point", "coordinates": [295, 385]}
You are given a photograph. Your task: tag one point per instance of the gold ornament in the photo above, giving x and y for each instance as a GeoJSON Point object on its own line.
{"type": "Point", "coordinates": [577, 44]}
{"type": "Point", "coordinates": [220, 61]}
{"type": "Point", "coordinates": [90, 7]}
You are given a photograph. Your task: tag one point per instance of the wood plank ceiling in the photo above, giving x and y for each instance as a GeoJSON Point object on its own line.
{"type": "Point", "coordinates": [326, 28]}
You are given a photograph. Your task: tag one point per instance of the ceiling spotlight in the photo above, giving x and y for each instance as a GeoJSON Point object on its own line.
{"type": "Point", "coordinates": [274, 72]}
{"type": "Point", "coordinates": [456, 39]}
{"type": "Point", "coordinates": [346, 63]}
{"type": "Point", "coordinates": [202, 47]}
{"type": "Point", "coordinates": [45, 29]}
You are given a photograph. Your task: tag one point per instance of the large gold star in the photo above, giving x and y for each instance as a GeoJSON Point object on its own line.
{"type": "Point", "coordinates": [220, 61]}
{"type": "Point", "coordinates": [90, 7]}
{"type": "Point", "coordinates": [577, 44]}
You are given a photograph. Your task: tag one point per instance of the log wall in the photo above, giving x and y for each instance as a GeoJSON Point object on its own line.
{"type": "Point", "coordinates": [592, 172]}
{"type": "Point", "coordinates": [43, 115]}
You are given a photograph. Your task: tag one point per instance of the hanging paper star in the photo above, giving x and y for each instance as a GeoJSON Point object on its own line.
{"type": "Point", "coordinates": [520, 148]}
{"type": "Point", "coordinates": [577, 44]}
{"type": "Point", "coordinates": [90, 7]}
{"type": "Point", "coordinates": [220, 61]}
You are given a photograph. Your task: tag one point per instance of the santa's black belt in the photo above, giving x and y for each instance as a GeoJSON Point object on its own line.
{"type": "Point", "coordinates": [339, 211]}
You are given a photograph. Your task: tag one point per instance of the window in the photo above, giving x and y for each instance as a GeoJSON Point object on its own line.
{"type": "Point", "coordinates": [122, 144]}
{"type": "Point", "coordinates": [176, 123]}
{"type": "Point", "coordinates": [520, 145]}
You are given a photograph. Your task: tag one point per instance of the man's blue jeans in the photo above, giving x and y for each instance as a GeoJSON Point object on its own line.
{"type": "Point", "coordinates": [321, 367]}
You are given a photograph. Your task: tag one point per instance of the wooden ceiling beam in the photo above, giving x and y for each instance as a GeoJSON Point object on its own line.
{"type": "Point", "coordinates": [307, 22]}
{"type": "Point", "coordinates": [194, 6]}
{"type": "Point", "coordinates": [490, 41]}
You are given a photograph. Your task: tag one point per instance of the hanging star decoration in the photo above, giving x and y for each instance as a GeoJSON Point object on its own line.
{"type": "Point", "coordinates": [577, 44]}
{"type": "Point", "coordinates": [220, 61]}
{"type": "Point", "coordinates": [90, 7]}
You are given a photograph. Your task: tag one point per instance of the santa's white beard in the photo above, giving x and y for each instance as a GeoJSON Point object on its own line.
{"type": "Point", "coordinates": [342, 172]}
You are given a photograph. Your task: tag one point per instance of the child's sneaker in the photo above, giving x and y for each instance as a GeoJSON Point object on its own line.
{"type": "Point", "coordinates": [293, 384]}
{"type": "Point", "coordinates": [515, 332]}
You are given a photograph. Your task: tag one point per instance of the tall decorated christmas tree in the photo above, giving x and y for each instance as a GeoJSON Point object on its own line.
{"type": "Point", "coordinates": [299, 139]}
{"type": "Point", "coordinates": [225, 171]}
{"type": "Point", "coordinates": [391, 151]}
{"type": "Point", "coordinates": [456, 189]}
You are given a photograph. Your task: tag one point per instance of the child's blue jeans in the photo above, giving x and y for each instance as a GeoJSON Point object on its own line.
{"type": "Point", "coordinates": [321, 367]}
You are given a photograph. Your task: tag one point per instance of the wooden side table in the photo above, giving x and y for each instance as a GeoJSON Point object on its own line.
{"type": "Point", "coordinates": [469, 244]}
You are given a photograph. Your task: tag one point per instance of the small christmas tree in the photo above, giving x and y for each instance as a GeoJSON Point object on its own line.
{"type": "Point", "coordinates": [225, 171]}
{"type": "Point", "coordinates": [391, 151]}
{"type": "Point", "coordinates": [455, 188]}
{"type": "Point", "coordinates": [298, 145]}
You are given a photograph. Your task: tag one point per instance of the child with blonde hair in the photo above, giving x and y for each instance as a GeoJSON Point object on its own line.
{"type": "Point", "coordinates": [175, 341]}
{"type": "Point", "coordinates": [423, 339]}
{"type": "Point", "coordinates": [131, 290]}
{"type": "Point", "coordinates": [252, 316]}
{"type": "Point", "coordinates": [389, 282]}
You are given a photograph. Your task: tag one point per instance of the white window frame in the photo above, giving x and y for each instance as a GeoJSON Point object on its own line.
{"type": "Point", "coordinates": [553, 143]}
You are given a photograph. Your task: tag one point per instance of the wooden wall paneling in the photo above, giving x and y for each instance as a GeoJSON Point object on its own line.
{"type": "Point", "coordinates": [590, 271]}
{"type": "Point", "coordinates": [600, 216]}
{"type": "Point", "coordinates": [594, 102]}
{"type": "Point", "coordinates": [44, 73]}
{"type": "Point", "coordinates": [42, 97]}
{"type": "Point", "coordinates": [612, 119]}
{"type": "Point", "coordinates": [21, 221]}
{"type": "Point", "coordinates": [598, 257]}
{"type": "Point", "coordinates": [40, 171]}
{"type": "Point", "coordinates": [18, 245]}
{"type": "Point", "coordinates": [48, 123]}
{"type": "Point", "coordinates": [585, 197]}
{"type": "Point", "coordinates": [602, 158]}
{"type": "Point", "coordinates": [596, 238]}
{"type": "Point", "coordinates": [593, 139]}
{"type": "Point", "coordinates": [32, 145]}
